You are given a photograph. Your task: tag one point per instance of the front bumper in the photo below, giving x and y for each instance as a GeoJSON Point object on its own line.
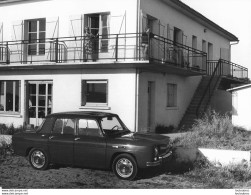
{"type": "Point", "coordinates": [160, 161]}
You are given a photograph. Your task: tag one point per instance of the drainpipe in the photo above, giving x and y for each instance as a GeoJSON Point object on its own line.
{"type": "Point", "coordinates": [136, 100]}
{"type": "Point", "coordinates": [230, 48]}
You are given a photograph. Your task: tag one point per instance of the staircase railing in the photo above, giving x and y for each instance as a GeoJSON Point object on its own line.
{"type": "Point", "coordinates": [210, 88]}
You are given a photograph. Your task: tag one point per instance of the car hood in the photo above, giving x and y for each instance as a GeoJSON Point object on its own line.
{"type": "Point", "coordinates": [151, 137]}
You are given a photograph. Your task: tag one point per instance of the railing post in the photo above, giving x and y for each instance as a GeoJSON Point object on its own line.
{"type": "Point", "coordinates": [116, 47]}
{"type": "Point", "coordinates": [56, 51]}
{"type": "Point", "coordinates": [7, 53]}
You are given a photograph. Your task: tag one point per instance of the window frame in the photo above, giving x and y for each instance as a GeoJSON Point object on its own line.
{"type": "Point", "coordinates": [174, 102]}
{"type": "Point", "coordinates": [104, 39]}
{"type": "Point", "coordinates": [84, 102]}
{"type": "Point", "coordinates": [14, 102]}
{"type": "Point", "coordinates": [38, 41]}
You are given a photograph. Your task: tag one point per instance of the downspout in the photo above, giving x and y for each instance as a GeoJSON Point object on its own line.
{"type": "Point", "coordinates": [136, 117]}
{"type": "Point", "coordinates": [136, 126]}
{"type": "Point", "coordinates": [233, 43]}
{"type": "Point", "coordinates": [138, 15]}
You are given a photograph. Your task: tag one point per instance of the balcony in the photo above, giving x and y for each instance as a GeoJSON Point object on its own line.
{"type": "Point", "coordinates": [227, 70]}
{"type": "Point", "coordinates": [118, 50]}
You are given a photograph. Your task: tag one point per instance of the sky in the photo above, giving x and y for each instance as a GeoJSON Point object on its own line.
{"type": "Point", "coordinates": [235, 17]}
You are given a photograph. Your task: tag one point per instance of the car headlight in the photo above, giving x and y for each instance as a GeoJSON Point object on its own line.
{"type": "Point", "coordinates": [156, 153]}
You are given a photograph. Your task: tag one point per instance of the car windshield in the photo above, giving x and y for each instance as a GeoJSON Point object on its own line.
{"type": "Point", "coordinates": [112, 125]}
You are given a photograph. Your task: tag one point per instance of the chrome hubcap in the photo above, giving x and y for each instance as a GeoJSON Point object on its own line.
{"type": "Point", "coordinates": [38, 159]}
{"type": "Point", "coordinates": [124, 168]}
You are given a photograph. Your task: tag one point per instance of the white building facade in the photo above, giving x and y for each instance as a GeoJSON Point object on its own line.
{"type": "Point", "coordinates": [241, 106]}
{"type": "Point", "coordinates": [49, 64]}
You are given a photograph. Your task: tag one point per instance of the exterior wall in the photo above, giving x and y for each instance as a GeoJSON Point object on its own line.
{"type": "Point", "coordinates": [67, 92]}
{"type": "Point", "coordinates": [241, 108]}
{"type": "Point", "coordinates": [163, 115]}
{"type": "Point", "coordinates": [170, 18]}
{"type": "Point", "coordinates": [12, 14]}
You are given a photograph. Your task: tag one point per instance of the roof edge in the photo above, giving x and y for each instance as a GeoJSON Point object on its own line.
{"type": "Point", "coordinates": [203, 20]}
{"type": "Point", "coordinates": [239, 88]}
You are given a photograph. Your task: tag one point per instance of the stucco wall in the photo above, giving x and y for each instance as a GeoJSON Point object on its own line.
{"type": "Point", "coordinates": [67, 91]}
{"type": "Point", "coordinates": [242, 108]}
{"type": "Point", "coordinates": [169, 16]}
{"type": "Point", "coordinates": [186, 87]}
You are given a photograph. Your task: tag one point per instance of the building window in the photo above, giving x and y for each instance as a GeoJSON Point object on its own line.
{"type": "Point", "coordinates": [99, 27]}
{"type": "Point", "coordinates": [94, 92]}
{"type": "Point", "coordinates": [9, 96]}
{"type": "Point", "coordinates": [171, 95]}
{"type": "Point", "coordinates": [36, 36]}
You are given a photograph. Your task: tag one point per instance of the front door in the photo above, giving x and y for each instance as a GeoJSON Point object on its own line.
{"type": "Point", "coordinates": [89, 145]}
{"type": "Point", "coordinates": [39, 101]}
{"type": "Point", "coordinates": [151, 106]}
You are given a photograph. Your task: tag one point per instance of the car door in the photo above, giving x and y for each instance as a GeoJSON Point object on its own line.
{"type": "Point", "coordinates": [61, 141]}
{"type": "Point", "coordinates": [89, 145]}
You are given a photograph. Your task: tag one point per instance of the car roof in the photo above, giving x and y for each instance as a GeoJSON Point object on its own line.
{"type": "Point", "coordinates": [80, 114]}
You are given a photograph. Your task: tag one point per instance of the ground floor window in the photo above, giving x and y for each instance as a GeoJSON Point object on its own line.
{"type": "Point", "coordinates": [94, 92]}
{"type": "Point", "coordinates": [171, 95]}
{"type": "Point", "coordinates": [10, 96]}
{"type": "Point", "coordinates": [40, 99]}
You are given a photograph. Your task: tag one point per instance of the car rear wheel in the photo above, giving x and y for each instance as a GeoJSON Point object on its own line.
{"type": "Point", "coordinates": [38, 159]}
{"type": "Point", "coordinates": [125, 167]}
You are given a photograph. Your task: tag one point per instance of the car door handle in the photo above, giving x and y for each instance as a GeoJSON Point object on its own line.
{"type": "Point", "coordinates": [77, 138]}
{"type": "Point", "coordinates": [51, 137]}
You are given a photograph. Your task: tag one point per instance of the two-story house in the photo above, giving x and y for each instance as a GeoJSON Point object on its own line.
{"type": "Point", "coordinates": [150, 61]}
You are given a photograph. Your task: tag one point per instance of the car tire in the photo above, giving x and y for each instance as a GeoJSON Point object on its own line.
{"type": "Point", "coordinates": [125, 167]}
{"type": "Point", "coordinates": [38, 159]}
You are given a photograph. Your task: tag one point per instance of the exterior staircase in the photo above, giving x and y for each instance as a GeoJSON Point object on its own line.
{"type": "Point", "coordinates": [200, 101]}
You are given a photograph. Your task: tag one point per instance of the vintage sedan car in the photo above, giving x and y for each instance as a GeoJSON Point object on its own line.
{"type": "Point", "coordinates": [93, 140]}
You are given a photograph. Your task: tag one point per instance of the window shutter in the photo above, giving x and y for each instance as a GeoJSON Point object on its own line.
{"type": "Point", "coordinates": [76, 25]}
{"type": "Point", "coordinates": [1, 32]}
{"type": "Point", "coordinates": [83, 93]}
{"type": "Point", "coordinates": [119, 20]}
{"type": "Point", "coordinates": [17, 30]}
{"type": "Point", "coordinates": [52, 27]}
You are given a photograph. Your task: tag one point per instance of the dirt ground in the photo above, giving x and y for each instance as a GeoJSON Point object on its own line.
{"type": "Point", "coordinates": [16, 173]}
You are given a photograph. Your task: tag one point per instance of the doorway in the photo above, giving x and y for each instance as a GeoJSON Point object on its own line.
{"type": "Point", "coordinates": [151, 106]}
{"type": "Point", "coordinates": [39, 101]}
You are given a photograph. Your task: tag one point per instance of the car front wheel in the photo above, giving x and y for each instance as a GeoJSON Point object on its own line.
{"type": "Point", "coordinates": [38, 159]}
{"type": "Point", "coordinates": [125, 167]}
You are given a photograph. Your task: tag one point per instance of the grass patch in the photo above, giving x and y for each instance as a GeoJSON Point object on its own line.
{"type": "Point", "coordinates": [232, 176]}
{"type": "Point", "coordinates": [216, 131]}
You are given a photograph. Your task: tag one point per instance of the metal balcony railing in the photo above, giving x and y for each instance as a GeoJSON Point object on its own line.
{"type": "Point", "coordinates": [226, 69]}
{"type": "Point", "coordinates": [117, 47]}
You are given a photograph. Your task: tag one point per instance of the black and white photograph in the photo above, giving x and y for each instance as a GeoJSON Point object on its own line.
{"type": "Point", "coordinates": [125, 94]}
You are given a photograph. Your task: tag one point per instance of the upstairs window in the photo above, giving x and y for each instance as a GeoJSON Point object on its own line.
{"type": "Point", "coordinates": [94, 93]}
{"type": "Point", "coordinates": [36, 36]}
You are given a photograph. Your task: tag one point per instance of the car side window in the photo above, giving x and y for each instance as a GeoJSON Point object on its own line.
{"type": "Point", "coordinates": [64, 126]}
{"type": "Point", "coordinates": [89, 127]}
{"type": "Point", "coordinates": [47, 125]}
